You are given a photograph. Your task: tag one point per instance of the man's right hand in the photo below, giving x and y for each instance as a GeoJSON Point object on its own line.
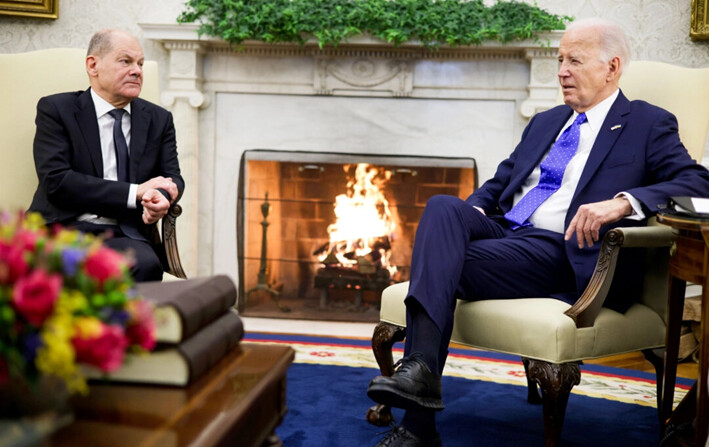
{"type": "Point", "coordinates": [155, 206]}
{"type": "Point", "coordinates": [158, 183]}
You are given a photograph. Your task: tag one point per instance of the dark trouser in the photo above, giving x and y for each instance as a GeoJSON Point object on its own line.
{"type": "Point", "coordinates": [146, 264]}
{"type": "Point", "coordinates": [459, 253]}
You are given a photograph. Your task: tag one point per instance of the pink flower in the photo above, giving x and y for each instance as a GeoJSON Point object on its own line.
{"type": "Point", "coordinates": [27, 240]}
{"type": "Point", "coordinates": [141, 327]}
{"type": "Point", "coordinates": [104, 264]}
{"type": "Point", "coordinates": [103, 350]}
{"type": "Point", "coordinates": [34, 295]}
{"type": "Point", "coordinates": [12, 263]}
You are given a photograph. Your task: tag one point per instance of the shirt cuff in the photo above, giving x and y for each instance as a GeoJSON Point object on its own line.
{"type": "Point", "coordinates": [132, 193]}
{"type": "Point", "coordinates": [637, 213]}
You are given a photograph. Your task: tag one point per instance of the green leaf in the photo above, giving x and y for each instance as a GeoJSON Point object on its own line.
{"type": "Point", "coordinates": [454, 22]}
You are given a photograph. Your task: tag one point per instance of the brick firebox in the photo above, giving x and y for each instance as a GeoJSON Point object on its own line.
{"type": "Point", "coordinates": [288, 197]}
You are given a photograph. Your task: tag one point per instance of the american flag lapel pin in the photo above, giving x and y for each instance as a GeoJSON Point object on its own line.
{"type": "Point", "coordinates": [617, 126]}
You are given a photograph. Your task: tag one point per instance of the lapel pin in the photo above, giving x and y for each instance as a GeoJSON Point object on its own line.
{"type": "Point", "coordinates": [617, 126]}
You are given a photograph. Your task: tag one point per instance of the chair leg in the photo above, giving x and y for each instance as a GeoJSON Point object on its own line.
{"type": "Point", "coordinates": [555, 381]}
{"type": "Point", "coordinates": [383, 339]}
{"type": "Point", "coordinates": [656, 357]}
{"type": "Point", "coordinates": [533, 396]}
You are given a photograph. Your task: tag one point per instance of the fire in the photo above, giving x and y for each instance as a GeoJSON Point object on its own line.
{"type": "Point", "coordinates": [364, 226]}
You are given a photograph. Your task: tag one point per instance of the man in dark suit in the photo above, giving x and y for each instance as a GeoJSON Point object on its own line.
{"type": "Point", "coordinates": [597, 162]}
{"type": "Point", "coordinates": [106, 159]}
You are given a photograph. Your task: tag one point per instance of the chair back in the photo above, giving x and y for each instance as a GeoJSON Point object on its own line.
{"type": "Point", "coordinates": [682, 91]}
{"type": "Point", "coordinates": [26, 78]}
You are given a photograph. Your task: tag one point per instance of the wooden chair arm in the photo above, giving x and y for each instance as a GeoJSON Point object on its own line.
{"type": "Point", "coordinates": [169, 239]}
{"type": "Point", "coordinates": [166, 245]}
{"type": "Point", "coordinates": [588, 306]}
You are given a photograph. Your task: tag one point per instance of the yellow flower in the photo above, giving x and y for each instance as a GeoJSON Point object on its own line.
{"type": "Point", "coordinates": [88, 327]}
{"type": "Point", "coordinates": [56, 356]}
{"type": "Point", "coordinates": [70, 301]}
{"type": "Point", "coordinates": [33, 221]}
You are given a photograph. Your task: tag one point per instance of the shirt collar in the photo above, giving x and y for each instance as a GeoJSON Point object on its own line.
{"type": "Point", "coordinates": [102, 106]}
{"type": "Point", "coordinates": [597, 114]}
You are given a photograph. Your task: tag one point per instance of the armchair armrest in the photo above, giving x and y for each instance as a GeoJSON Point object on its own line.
{"type": "Point", "coordinates": [166, 246]}
{"type": "Point", "coordinates": [588, 306]}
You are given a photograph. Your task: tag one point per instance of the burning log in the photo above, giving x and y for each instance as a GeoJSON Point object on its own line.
{"type": "Point", "coordinates": [357, 254]}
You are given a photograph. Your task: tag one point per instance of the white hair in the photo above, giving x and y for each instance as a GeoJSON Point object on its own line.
{"type": "Point", "coordinates": [614, 42]}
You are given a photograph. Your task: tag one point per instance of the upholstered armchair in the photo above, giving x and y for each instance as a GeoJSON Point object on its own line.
{"type": "Point", "coordinates": [551, 336]}
{"type": "Point", "coordinates": [26, 77]}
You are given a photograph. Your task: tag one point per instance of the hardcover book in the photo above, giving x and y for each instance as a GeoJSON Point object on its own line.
{"type": "Point", "coordinates": [183, 363]}
{"type": "Point", "coordinates": [184, 307]}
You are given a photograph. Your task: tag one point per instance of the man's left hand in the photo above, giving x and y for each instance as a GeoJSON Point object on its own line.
{"type": "Point", "coordinates": [590, 217]}
{"type": "Point", "coordinates": [155, 206]}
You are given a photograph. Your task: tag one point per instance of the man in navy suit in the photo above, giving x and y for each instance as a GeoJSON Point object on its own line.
{"type": "Point", "coordinates": [623, 161]}
{"type": "Point", "coordinates": [77, 151]}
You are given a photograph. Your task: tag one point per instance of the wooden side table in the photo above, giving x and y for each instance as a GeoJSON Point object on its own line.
{"type": "Point", "coordinates": [689, 261]}
{"type": "Point", "coordinates": [240, 401]}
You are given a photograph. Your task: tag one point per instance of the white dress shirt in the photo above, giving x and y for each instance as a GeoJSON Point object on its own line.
{"type": "Point", "coordinates": [551, 213]}
{"type": "Point", "coordinates": [108, 152]}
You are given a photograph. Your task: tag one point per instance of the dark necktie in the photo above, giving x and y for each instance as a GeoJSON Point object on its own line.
{"type": "Point", "coordinates": [123, 163]}
{"type": "Point", "coordinates": [552, 171]}
{"type": "Point", "coordinates": [119, 141]}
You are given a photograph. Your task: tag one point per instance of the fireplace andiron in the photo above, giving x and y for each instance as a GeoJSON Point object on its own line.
{"type": "Point", "coordinates": [262, 281]}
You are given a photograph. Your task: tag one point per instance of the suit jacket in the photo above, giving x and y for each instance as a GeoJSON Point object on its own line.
{"type": "Point", "coordinates": [68, 160]}
{"type": "Point", "coordinates": [637, 150]}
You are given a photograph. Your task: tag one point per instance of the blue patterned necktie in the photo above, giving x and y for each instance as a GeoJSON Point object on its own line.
{"type": "Point", "coordinates": [119, 141]}
{"type": "Point", "coordinates": [552, 171]}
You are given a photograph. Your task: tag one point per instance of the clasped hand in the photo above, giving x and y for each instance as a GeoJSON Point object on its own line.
{"type": "Point", "coordinates": [590, 217]}
{"type": "Point", "coordinates": [155, 204]}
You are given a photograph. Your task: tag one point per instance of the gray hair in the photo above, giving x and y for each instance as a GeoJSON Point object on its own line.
{"type": "Point", "coordinates": [101, 42]}
{"type": "Point", "coordinates": [614, 42]}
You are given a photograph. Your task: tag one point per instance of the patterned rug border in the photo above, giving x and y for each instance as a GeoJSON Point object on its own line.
{"type": "Point", "coordinates": [615, 384]}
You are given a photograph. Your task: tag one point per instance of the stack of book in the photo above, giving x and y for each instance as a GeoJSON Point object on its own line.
{"type": "Point", "coordinates": [196, 325]}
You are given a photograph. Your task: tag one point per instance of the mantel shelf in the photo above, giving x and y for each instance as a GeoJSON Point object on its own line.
{"type": "Point", "coordinates": [182, 35]}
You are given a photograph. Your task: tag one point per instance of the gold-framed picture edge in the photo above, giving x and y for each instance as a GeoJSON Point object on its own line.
{"type": "Point", "coordinates": [699, 21]}
{"type": "Point", "coordinates": [44, 9]}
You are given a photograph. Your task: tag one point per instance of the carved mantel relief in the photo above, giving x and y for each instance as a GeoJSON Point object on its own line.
{"type": "Point", "coordinates": [363, 74]}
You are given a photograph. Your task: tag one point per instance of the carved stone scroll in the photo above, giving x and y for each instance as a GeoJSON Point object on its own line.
{"type": "Point", "coordinates": [363, 74]}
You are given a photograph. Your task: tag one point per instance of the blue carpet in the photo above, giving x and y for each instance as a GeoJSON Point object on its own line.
{"type": "Point", "coordinates": [327, 405]}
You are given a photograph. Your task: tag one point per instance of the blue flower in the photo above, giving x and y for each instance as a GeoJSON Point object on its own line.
{"type": "Point", "coordinates": [71, 258]}
{"type": "Point", "coordinates": [32, 342]}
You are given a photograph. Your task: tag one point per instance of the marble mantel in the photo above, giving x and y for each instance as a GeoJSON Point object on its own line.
{"type": "Point", "coordinates": [205, 75]}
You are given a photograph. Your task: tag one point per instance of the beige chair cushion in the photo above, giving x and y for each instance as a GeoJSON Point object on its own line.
{"type": "Point", "coordinates": [26, 77]}
{"type": "Point", "coordinates": [537, 327]}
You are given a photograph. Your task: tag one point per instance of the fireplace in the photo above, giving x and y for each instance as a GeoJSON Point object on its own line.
{"type": "Point", "coordinates": [320, 235]}
{"type": "Point", "coordinates": [362, 96]}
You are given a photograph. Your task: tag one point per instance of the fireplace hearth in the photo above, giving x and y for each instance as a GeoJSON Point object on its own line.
{"type": "Point", "coordinates": [320, 235]}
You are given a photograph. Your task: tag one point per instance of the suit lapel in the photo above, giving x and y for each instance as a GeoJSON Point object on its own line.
{"type": "Point", "coordinates": [139, 125]}
{"type": "Point", "coordinates": [88, 124]}
{"type": "Point", "coordinates": [532, 157]}
{"type": "Point", "coordinates": [612, 127]}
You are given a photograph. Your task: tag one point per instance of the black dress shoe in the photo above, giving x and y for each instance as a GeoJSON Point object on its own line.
{"type": "Point", "coordinates": [413, 386]}
{"type": "Point", "coordinates": [401, 437]}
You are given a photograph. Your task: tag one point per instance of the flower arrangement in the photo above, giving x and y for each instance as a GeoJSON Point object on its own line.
{"type": "Point", "coordinates": [65, 300]}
